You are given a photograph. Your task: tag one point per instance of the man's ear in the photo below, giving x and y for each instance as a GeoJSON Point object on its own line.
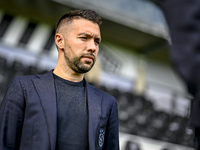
{"type": "Point", "coordinates": [59, 40]}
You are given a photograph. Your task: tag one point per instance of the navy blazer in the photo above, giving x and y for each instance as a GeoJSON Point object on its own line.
{"type": "Point", "coordinates": [28, 116]}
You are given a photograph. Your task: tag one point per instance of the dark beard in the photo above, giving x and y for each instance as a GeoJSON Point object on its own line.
{"type": "Point", "coordinates": [77, 65]}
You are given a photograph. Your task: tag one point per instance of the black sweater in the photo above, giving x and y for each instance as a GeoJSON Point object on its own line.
{"type": "Point", "coordinates": [72, 122]}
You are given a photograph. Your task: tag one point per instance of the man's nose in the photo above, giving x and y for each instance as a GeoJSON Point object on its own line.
{"type": "Point", "coordinates": [92, 46]}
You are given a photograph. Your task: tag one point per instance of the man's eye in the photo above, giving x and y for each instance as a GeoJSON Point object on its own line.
{"type": "Point", "coordinates": [83, 38]}
{"type": "Point", "coordinates": [97, 42]}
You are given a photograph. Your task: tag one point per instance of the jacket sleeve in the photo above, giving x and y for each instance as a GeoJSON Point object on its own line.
{"type": "Point", "coordinates": [11, 116]}
{"type": "Point", "coordinates": [112, 130]}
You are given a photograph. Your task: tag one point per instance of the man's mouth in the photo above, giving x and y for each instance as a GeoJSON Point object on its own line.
{"type": "Point", "coordinates": [89, 57]}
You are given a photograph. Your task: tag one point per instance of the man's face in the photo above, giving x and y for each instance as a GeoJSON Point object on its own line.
{"type": "Point", "coordinates": [81, 44]}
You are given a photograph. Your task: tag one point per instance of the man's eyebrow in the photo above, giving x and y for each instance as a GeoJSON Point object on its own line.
{"type": "Point", "coordinates": [88, 34]}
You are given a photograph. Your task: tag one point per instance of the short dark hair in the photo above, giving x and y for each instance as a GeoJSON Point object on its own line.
{"type": "Point", "coordinates": [87, 14]}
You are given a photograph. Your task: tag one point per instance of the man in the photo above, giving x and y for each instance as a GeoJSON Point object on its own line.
{"type": "Point", "coordinates": [183, 18]}
{"type": "Point", "coordinates": [60, 110]}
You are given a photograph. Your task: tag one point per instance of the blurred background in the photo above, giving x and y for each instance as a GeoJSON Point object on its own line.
{"type": "Point", "coordinates": [133, 64]}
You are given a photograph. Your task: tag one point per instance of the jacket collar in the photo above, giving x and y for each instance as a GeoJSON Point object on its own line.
{"type": "Point", "coordinates": [44, 85]}
{"type": "Point", "coordinates": [94, 112]}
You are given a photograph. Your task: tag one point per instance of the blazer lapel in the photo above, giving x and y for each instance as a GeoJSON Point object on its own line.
{"type": "Point", "coordinates": [94, 113]}
{"type": "Point", "coordinates": [46, 91]}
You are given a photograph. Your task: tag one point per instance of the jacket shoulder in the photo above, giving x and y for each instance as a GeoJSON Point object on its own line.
{"type": "Point", "coordinates": [30, 77]}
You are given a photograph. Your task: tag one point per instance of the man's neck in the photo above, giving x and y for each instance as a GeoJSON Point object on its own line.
{"type": "Point", "coordinates": [70, 76]}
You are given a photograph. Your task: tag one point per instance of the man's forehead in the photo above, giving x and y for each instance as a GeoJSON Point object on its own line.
{"type": "Point", "coordinates": [84, 22]}
{"type": "Point", "coordinates": [81, 26]}
{"type": "Point", "coordinates": [86, 26]}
